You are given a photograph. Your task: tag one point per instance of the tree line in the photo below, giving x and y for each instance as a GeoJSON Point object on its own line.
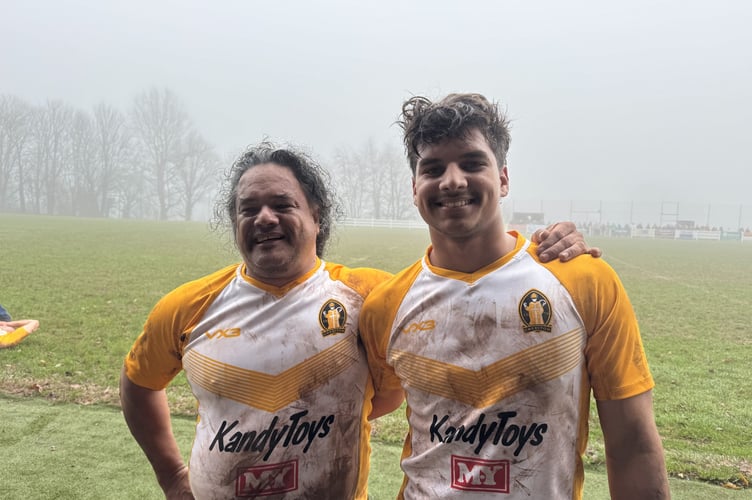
{"type": "Point", "coordinates": [148, 162]}
{"type": "Point", "coordinates": [372, 181]}
{"type": "Point", "coordinates": [151, 162]}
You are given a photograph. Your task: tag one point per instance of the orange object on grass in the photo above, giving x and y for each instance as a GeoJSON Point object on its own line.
{"type": "Point", "coordinates": [13, 332]}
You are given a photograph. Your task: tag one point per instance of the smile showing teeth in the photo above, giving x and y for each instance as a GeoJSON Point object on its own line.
{"type": "Point", "coordinates": [266, 237]}
{"type": "Point", "coordinates": [454, 203]}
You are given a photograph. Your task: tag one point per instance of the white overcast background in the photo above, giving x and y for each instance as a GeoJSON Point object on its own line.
{"type": "Point", "coordinates": [641, 100]}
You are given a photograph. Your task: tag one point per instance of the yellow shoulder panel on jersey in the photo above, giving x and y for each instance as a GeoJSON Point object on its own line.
{"type": "Point", "coordinates": [360, 279]}
{"type": "Point", "coordinates": [156, 356]}
{"type": "Point", "coordinates": [376, 317]}
{"type": "Point", "coordinates": [613, 333]}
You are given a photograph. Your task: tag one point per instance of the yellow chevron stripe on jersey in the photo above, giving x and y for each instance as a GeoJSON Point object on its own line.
{"type": "Point", "coordinates": [270, 392]}
{"type": "Point", "coordinates": [497, 381]}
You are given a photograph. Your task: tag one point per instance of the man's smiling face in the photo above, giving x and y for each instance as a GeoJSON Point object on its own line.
{"type": "Point", "coordinates": [276, 227]}
{"type": "Point", "coordinates": [457, 187]}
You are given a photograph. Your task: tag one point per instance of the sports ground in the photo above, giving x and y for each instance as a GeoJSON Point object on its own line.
{"type": "Point", "coordinates": [91, 283]}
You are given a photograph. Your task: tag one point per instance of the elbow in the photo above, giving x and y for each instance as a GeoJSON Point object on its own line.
{"type": "Point", "coordinates": [386, 403]}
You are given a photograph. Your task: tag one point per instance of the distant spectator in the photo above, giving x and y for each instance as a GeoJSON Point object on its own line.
{"type": "Point", "coordinates": [4, 314]}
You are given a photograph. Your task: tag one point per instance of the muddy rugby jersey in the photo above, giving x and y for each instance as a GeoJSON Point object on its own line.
{"type": "Point", "coordinates": [498, 366]}
{"type": "Point", "coordinates": [280, 377]}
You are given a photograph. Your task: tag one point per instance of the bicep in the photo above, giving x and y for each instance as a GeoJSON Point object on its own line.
{"type": "Point", "coordinates": [133, 395]}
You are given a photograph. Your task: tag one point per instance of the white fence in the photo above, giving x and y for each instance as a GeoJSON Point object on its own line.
{"type": "Point", "coordinates": [711, 216]}
{"type": "Point", "coordinates": [649, 232]}
{"type": "Point", "coordinates": [587, 230]}
{"type": "Point", "coordinates": [405, 224]}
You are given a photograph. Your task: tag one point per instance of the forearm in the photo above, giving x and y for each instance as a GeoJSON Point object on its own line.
{"type": "Point", "coordinates": [634, 451]}
{"type": "Point", "coordinates": [148, 417]}
{"type": "Point", "coordinates": [642, 476]}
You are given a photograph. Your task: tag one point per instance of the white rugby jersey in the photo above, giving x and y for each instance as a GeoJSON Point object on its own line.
{"type": "Point", "coordinates": [280, 376]}
{"type": "Point", "coordinates": [497, 366]}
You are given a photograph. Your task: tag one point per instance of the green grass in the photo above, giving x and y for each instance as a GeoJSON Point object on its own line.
{"type": "Point", "coordinates": [693, 302]}
{"type": "Point", "coordinates": [74, 452]}
{"type": "Point", "coordinates": [91, 283]}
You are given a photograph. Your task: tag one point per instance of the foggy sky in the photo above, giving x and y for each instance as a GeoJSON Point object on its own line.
{"type": "Point", "coordinates": [642, 100]}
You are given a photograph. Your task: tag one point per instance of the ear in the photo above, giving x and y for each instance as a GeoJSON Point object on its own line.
{"type": "Point", "coordinates": [504, 181]}
{"type": "Point", "coordinates": [316, 218]}
{"type": "Point", "coordinates": [415, 196]}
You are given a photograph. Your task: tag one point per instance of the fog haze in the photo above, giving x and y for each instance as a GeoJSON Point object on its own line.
{"type": "Point", "coordinates": [643, 101]}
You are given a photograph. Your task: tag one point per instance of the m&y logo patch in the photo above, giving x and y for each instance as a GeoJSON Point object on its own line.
{"type": "Point", "coordinates": [475, 474]}
{"type": "Point", "coordinates": [332, 318]}
{"type": "Point", "coordinates": [535, 312]}
{"type": "Point", "coordinates": [267, 480]}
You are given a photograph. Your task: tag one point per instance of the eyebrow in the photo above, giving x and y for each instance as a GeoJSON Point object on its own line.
{"type": "Point", "coordinates": [274, 197]}
{"type": "Point", "coordinates": [470, 155]}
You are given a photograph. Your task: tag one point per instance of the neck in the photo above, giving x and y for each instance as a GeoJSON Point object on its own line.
{"type": "Point", "coordinates": [468, 255]}
{"type": "Point", "coordinates": [280, 279]}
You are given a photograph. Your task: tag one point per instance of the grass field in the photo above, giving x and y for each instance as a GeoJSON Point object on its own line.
{"type": "Point", "coordinates": [92, 282]}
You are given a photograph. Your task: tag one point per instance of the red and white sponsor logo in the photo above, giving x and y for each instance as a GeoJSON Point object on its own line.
{"type": "Point", "coordinates": [267, 480]}
{"type": "Point", "coordinates": [475, 474]}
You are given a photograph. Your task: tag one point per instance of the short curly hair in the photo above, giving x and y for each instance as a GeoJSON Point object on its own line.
{"type": "Point", "coordinates": [313, 179]}
{"type": "Point", "coordinates": [454, 117]}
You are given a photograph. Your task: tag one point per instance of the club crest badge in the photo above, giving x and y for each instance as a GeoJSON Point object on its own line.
{"type": "Point", "coordinates": [535, 312]}
{"type": "Point", "coordinates": [332, 318]}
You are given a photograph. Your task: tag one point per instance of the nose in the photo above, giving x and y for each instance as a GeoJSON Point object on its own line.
{"type": "Point", "coordinates": [453, 178]}
{"type": "Point", "coordinates": [265, 217]}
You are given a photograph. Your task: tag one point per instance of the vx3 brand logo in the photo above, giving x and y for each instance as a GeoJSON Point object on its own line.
{"type": "Point", "coordinates": [267, 480]}
{"type": "Point", "coordinates": [420, 326]}
{"type": "Point", "coordinates": [475, 474]}
{"type": "Point", "coordinates": [224, 334]}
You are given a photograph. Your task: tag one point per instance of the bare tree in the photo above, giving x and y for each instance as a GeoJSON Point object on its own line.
{"type": "Point", "coordinates": [112, 142]}
{"type": "Point", "coordinates": [397, 195]}
{"type": "Point", "coordinates": [130, 199]}
{"type": "Point", "coordinates": [15, 116]}
{"type": "Point", "coordinates": [160, 124]}
{"type": "Point", "coordinates": [195, 170]}
{"type": "Point", "coordinates": [51, 134]}
{"type": "Point", "coordinates": [371, 170]}
{"type": "Point", "coordinates": [373, 182]}
{"type": "Point", "coordinates": [80, 182]}
{"type": "Point", "coordinates": [348, 181]}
